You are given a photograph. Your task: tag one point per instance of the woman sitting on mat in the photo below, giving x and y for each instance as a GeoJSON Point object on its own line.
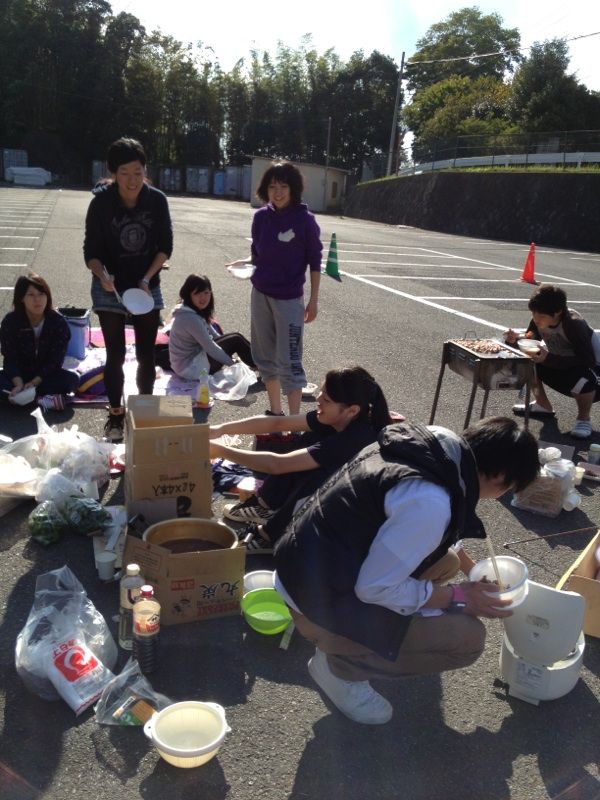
{"type": "Point", "coordinates": [196, 341]}
{"type": "Point", "coordinates": [351, 410]}
{"type": "Point", "coordinates": [34, 341]}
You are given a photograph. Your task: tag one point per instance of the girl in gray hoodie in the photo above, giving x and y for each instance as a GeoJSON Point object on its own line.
{"type": "Point", "coordinates": [196, 341]}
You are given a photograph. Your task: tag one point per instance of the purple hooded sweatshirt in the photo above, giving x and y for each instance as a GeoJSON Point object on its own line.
{"type": "Point", "coordinates": [284, 243]}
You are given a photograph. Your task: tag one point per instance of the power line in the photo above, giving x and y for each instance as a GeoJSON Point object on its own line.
{"type": "Point", "coordinates": [491, 55]}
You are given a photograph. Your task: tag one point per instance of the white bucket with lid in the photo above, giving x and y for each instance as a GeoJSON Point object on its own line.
{"type": "Point", "coordinates": [188, 734]}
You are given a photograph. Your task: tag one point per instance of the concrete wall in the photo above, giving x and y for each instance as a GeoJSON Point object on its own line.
{"type": "Point", "coordinates": [546, 208]}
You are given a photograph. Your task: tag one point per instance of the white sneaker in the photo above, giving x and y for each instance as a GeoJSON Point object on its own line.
{"type": "Point", "coordinates": [356, 699]}
{"type": "Point", "coordinates": [582, 429]}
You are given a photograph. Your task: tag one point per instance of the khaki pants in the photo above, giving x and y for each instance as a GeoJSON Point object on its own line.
{"type": "Point", "coordinates": [431, 644]}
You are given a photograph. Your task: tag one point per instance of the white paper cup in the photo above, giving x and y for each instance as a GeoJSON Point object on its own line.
{"type": "Point", "coordinates": [105, 564]}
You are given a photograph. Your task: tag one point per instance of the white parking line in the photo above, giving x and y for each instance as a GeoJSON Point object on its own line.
{"type": "Point", "coordinates": [15, 236]}
{"type": "Point", "coordinates": [500, 299]}
{"type": "Point", "coordinates": [429, 303]}
{"type": "Point", "coordinates": [17, 248]}
{"type": "Point", "coordinates": [454, 280]}
{"type": "Point", "coordinates": [14, 265]}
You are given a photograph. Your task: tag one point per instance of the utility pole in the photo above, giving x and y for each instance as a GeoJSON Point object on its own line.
{"type": "Point", "coordinates": [327, 163]}
{"type": "Point", "coordinates": [395, 117]}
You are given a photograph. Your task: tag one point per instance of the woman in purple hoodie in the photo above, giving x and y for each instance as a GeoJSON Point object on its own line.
{"type": "Point", "coordinates": [285, 241]}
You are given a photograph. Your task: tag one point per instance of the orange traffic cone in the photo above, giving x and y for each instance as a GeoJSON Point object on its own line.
{"type": "Point", "coordinates": [528, 275]}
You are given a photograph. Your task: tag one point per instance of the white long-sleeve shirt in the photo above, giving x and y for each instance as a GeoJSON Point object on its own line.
{"type": "Point", "coordinates": [418, 513]}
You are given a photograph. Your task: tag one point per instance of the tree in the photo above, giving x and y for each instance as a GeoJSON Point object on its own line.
{"type": "Point", "coordinates": [466, 32]}
{"type": "Point", "coordinates": [546, 98]}
{"type": "Point", "coordinates": [456, 106]}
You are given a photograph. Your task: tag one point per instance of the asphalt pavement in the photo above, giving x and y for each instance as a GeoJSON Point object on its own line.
{"type": "Point", "coordinates": [459, 736]}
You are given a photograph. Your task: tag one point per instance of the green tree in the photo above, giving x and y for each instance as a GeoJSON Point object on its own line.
{"type": "Point", "coordinates": [465, 32]}
{"type": "Point", "coordinates": [546, 98]}
{"type": "Point", "coordinates": [453, 107]}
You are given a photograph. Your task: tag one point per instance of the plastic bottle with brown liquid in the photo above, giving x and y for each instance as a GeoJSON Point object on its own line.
{"type": "Point", "coordinates": [146, 629]}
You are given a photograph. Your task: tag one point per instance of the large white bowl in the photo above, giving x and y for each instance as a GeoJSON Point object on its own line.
{"type": "Point", "coordinates": [188, 734]}
{"type": "Point", "coordinates": [513, 573]}
{"type": "Point", "coordinates": [259, 579]}
{"type": "Point", "coordinates": [530, 346]}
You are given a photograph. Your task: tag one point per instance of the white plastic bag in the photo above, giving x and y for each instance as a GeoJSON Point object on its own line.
{"type": "Point", "coordinates": [232, 383]}
{"type": "Point", "coordinates": [60, 607]}
{"type": "Point", "coordinates": [75, 672]}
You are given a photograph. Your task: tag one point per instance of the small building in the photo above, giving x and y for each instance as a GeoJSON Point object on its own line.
{"type": "Point", "coordinates": [324, 187]}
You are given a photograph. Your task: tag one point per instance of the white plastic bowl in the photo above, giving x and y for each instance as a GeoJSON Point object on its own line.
{"type": "Point", "coordinates": [24, 397]}
{"type": "Point", "coordinates": [513, 573]}
{"type": "Point", "coordinates": [242, 272]}
{"type": "Point", "coordinates": [259, 579]}
{"type": "Point", "coordinates": [188, 734]}
{"type": "Point", "coordinates": [529, 346]}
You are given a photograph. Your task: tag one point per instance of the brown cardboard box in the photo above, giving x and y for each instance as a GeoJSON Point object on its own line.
{"type": "Point", "coordinates": [168, 472]}
{"type": "Point", "coordinates": [190, 586]}
{"type": "Point", "coordinates": [580, 578]}
{"type": "Point", "coordinates": [152, 410]}
{"type": "Point", "coordinates": [165, 490]}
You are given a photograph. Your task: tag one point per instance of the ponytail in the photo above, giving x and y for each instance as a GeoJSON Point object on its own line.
{"type": "Point", "coordinates": [356, 386]}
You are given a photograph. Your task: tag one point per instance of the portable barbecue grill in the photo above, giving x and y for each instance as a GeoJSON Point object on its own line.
{"type": "Point", "coordinates": [488, 364]}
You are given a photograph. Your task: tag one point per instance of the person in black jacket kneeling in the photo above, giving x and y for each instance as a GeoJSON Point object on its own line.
{"type": "Point", "coordinates": [364, 564]}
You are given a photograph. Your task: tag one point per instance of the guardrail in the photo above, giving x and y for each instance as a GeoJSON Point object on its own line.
{"type": "Point", "coordinates": [504, 160]}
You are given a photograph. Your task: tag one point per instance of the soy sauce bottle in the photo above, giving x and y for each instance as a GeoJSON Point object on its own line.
{"type": "Point", "coordinates": [146, 629]}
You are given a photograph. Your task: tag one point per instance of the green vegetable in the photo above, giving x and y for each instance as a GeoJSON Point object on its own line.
{"type": "Point", "coordinates": [85, 515]}
{"type": "Point", "coordinates": [46, 524]}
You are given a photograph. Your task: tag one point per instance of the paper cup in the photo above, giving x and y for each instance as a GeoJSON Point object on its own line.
{"type": "Point", "coordinates": [105, 564]}
{"type": "Point", "coordinates": [24, 397]}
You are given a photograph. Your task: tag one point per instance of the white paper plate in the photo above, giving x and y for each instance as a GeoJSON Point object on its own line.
{"type": "Point", "coordinates": [242, 272]}
{"type": "Point", "coordinates": [137, 301]}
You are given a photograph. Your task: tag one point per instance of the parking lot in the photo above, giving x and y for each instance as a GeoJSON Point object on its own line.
{"type": "Point", "coordinates": [402, 293]}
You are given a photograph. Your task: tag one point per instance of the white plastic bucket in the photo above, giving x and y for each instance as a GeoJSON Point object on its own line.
{"type": "Point", "coordinates": [188, 734]}
{"type": "Point", "coordinates": [513, 573]}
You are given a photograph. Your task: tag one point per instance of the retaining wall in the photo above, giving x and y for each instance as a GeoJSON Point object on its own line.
{"type": "Point", "coordinates": [546, 208]}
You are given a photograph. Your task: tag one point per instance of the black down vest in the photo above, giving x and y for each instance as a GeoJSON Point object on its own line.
{"type": "Point", "coordinates": [319, 557]}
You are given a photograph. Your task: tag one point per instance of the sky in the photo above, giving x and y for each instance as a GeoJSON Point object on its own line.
{"type": "Point", "coordinates": [233, 27]}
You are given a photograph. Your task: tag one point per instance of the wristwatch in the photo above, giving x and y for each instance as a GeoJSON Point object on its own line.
{"type": "Point", "coordinates": [459, 601]}
{"type": "Point", "coordinates": [145, 280]}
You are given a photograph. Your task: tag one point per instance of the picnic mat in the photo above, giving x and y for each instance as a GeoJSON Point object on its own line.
{"type": "Point", "coordinates": [97, 338]}
{"type": "Point", "coordinates": [166, 382]}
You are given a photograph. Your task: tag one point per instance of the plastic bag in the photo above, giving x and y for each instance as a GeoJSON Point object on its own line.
{"type": "Point", "coordinates": [78, 456]}
{"type": "Point", "coordinates": [17, 476]}
{"type": "Point", "coordinates": [46, 523]}
{"type": "Point", "coordinates": [85, 516]}
{"type": "Point", "coordinates": [232, 383]}
{"type": "Point", "coordinates": [129, 699]}
{"type": "Point", "coordinates": [75, 672]}
{"type": "Point", "coordinates": [60, 607]}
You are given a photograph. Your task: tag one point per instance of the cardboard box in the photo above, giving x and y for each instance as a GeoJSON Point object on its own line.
{"type": "Point", "coordinates": [580, 578]}
{"type": "Point", "coordinates": [151, 410]}
{"type": "Point", "coordinates": [161, 428]}
{"type": "Point", "coordinates": [168, 472]}
{"type": "Point", "coordinates": [190, 586]}
{"type": "Point", "coordinates": [166, 490]}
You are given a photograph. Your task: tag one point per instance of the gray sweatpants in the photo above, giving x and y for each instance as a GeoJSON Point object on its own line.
{"type": "Point", "coordinates": [277, 328]}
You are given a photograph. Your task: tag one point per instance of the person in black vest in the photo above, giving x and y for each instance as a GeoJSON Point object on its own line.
{"type": "Point", "coordinates": [364, 562]}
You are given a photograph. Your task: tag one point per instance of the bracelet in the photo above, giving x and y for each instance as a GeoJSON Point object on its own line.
{"type": "Point", "coordinates": [145, 280]}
